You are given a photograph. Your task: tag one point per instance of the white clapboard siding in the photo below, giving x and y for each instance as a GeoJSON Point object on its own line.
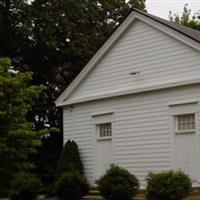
{"type": "Point", "coordinates": [141, 129]}
{"type": "Point", "coordinates": [142, 48]}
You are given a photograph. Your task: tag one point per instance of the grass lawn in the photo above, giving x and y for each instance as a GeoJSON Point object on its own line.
{"type": "Point", "coordinates": [190, 198]}
{"type": "Point", "coordinates": [195, 197]}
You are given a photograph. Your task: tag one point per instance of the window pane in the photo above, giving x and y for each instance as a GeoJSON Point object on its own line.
{"type": "Point", "coordinates": [105, 130]}
{"type": "Point", "coordinates": [185, 122]}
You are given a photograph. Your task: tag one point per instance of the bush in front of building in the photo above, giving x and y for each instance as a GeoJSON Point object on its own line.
{"type": "Point", "coordinates": [118, 184]}
{"type": "Point", "coordinates": [69, 159]}
{"type": "Point", "coordinates": [24, 187]}
{"type": "Point", "coordinates": [169, 185]}
{"type": "Point", "coordinates": [71, 186]}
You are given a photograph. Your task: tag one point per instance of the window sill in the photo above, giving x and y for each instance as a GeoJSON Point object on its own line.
{"type": "Point", "coordinates": [185, 132]}
{"type": "Point", "coordinates": [104, 138]}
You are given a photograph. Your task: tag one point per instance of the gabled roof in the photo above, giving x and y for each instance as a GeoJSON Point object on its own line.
{"type": "Point", "coordinates": [184, 34]}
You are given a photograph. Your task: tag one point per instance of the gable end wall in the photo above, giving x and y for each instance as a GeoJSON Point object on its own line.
{"type": "Point", "coordinates": [142, 48]}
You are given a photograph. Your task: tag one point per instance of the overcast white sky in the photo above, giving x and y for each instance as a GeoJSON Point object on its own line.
{"type": "Point", "coordinates": [161, 8]}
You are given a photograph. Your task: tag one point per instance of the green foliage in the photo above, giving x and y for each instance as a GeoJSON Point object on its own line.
{"type": "Point", "coordinates": [17, 138]}
{"type": "Point", "coordinates": [71, 186]}
{"type": "Point", "coordinates": [65, 35]}
{"type": "Point", "coordinates": [118, 184]}
{"type": "Point", "coordinates": [54, 39]}
{"type": "Point", "coordinates": [69, 159]}
{"type": "Point", "coordinates": [170, 185]}
{"type": "Point", "coordinates": [186, 19]}
{"type": "Point", "coordinates": [46, 159]}
{"type": "Point", "coordinates": [24, 187]}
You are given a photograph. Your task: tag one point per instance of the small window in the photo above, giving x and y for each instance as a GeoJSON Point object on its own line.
{"type": "Point", "coordinates": [105, 130]}
{"type": "Point", "coordinates": [185, 123]}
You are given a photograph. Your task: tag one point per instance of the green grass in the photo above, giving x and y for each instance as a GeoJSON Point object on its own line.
{"type": "Point", "coordinates": [195, 197]}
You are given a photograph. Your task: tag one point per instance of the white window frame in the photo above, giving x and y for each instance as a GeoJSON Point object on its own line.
{"type": "Point", "coordinates": [103, 118]}
{"type": "Point", "coordinates": [99, 129]}
{"type": "Point", "coordinates": [177, 131]}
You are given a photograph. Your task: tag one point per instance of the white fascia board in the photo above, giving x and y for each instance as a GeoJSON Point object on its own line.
{"type": "Point", "coordinates": [96, 58]}
{"type": "Point", "coordinates": [147, 88]}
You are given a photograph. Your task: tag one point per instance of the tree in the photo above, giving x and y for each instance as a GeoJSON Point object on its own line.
{"type": "Point", "coordinates": [46, 159]}
{"type": "Point", "coordinates": [17, 138]}
{"type": "Point", "coordinates": [187, 19]}
{"type": "Point", "coordinates": [65, 35]}
{"type": "Point", "coordinates": [14, 26]}
{"type": "Point", "coordinates": [54, 39]}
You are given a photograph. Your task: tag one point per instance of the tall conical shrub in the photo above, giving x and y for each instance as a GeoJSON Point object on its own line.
{"type": "Point", "coordinates": [69, 159]}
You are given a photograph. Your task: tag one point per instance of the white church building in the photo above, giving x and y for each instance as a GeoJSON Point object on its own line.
{"type": "Point", "coordinates": [137, 101]}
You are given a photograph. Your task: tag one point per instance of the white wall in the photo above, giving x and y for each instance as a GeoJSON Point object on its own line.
{"type": "Point", "coordinates": [157, 56]}
{"type": "Point", "coordinates": [142, 134]}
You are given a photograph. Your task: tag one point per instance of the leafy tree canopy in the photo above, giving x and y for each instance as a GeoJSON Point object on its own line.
{"type": "Point", "coordinates": [54, 39]}
{"type": "Point", "coordinates": [17, 138]}
{"type": "Point", "coordinates": [187, 19]}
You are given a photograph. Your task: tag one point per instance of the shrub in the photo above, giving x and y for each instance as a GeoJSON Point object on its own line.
{"type": "Point", "coordinates": [69, 159]}
{"type": "Point", "coordinates": [24, 186]}
{"type": "Point", "coordinates": [71, 186]}
{"type": "Point", "coordinates": [118, 184]}
{"type": "Point", "coordinates": [170, 185]}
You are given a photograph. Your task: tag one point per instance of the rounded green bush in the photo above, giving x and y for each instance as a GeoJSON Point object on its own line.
{"type": "Point", "coordinates": [24, 187]}
{"type": "Point", "coordinates": [118, 184]}
{"type": "Point", "coordinates": [71, 186]}
{"type": "Point", "coordinates": [170, 185]}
